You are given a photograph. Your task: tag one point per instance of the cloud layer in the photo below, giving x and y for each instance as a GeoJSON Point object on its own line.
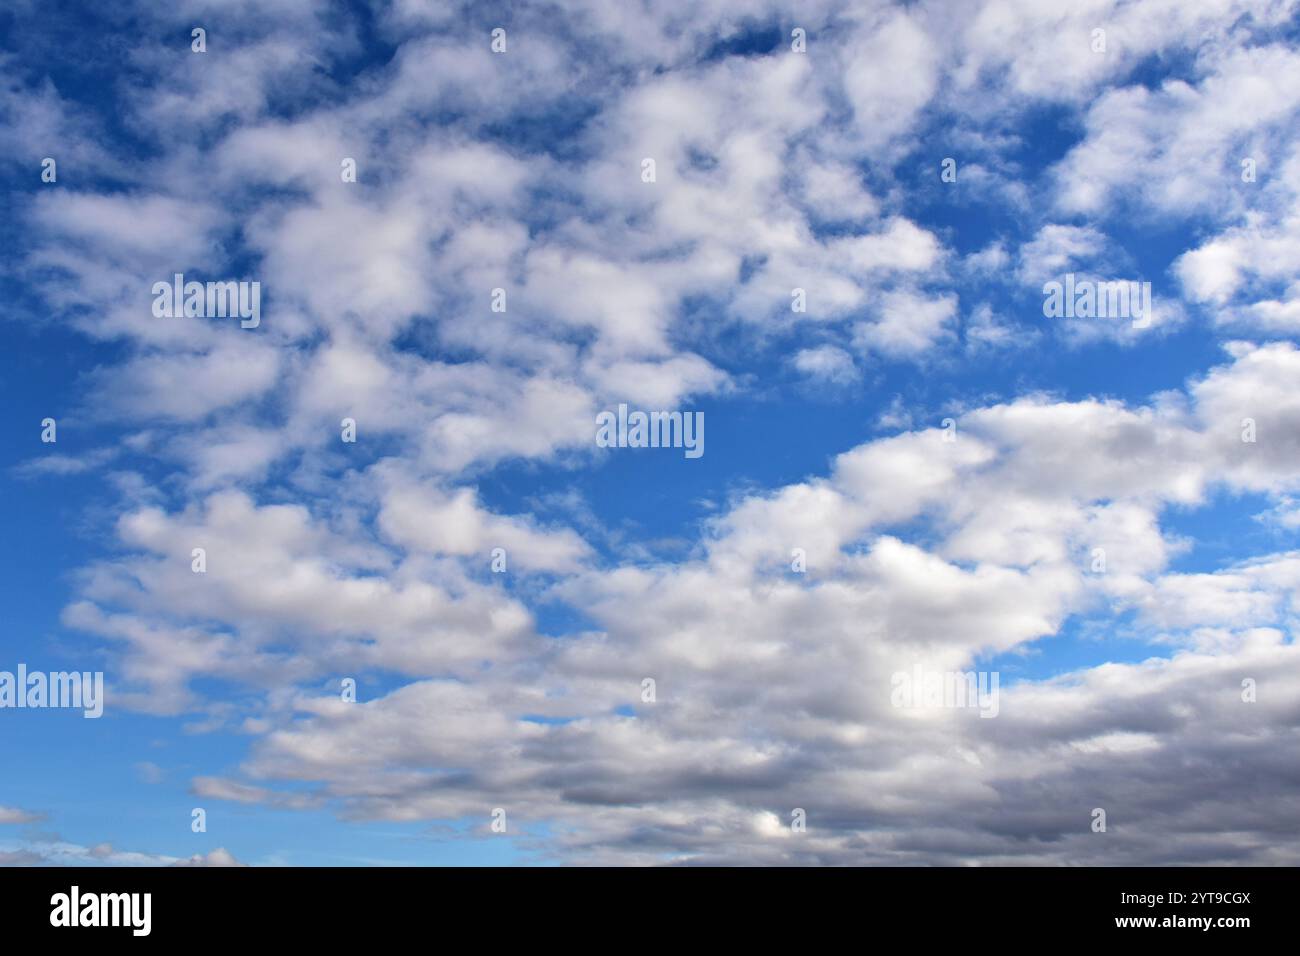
{"type": "Point", "coordinates": [503, 268]}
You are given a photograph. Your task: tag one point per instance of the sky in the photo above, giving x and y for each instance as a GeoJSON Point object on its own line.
{"type": "Point", "coordinates": [434, 619]}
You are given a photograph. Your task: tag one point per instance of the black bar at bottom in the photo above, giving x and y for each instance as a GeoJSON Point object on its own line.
{"type": "Point", "coordinates": [336, 906]}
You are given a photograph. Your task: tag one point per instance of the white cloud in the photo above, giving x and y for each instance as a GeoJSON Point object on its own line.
{"type": "Point", "coordinates": [827, 363]}
{"type": "Point", "coordinates": [15, 815]}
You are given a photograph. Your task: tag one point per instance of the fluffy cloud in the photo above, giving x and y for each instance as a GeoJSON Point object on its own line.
{"type": "Point", "coordinates": [772, 688]}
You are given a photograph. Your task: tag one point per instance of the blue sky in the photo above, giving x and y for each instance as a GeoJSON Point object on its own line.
{"type": "Point", "coordinates": [1114, 156]}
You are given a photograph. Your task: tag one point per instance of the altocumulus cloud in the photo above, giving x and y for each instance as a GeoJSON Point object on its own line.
{"type": "Point", "coordinates": [965, 536]}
